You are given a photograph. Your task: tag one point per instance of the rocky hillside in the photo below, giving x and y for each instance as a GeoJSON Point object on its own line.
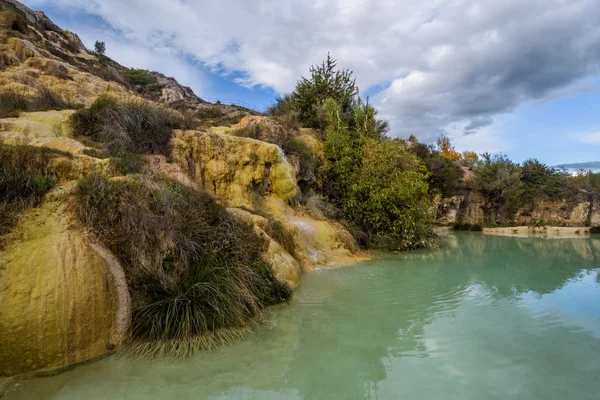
{"type": "Point", "coordinates": [74, 124]}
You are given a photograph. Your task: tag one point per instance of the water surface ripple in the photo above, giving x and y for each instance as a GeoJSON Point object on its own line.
{"type": "Point", "coordinates": [483, 317]}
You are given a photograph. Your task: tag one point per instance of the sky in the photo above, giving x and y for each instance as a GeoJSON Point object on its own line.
{"type": "Point", "coordinates": [520, 77]}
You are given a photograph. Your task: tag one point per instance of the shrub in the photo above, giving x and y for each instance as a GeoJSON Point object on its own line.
{"type": "Point", "coordinates": [283, 236]}
{"type": "Point", "coordinates": [377, 183]}
{"type": "Point", "coordinates": [498, 179]}
{"type": "Point", "coordinates": [595, 230]}
{"type": "Point", "coordinates": [306, 157]}
{"type": "Point", "coordinates": [282, 106]}
{"type": "Point", "coordinates": [139, 77]}
{"type": "Point", "coordinates": [446, 175]}
{"type": "Point", "coordinates": [463, 226]}
{"type": "Point", "coordinates": [126, 126]}
{"type": "Point", "coordinates": [544, 183]}
{"type": "Point", "coordinates": [317, 207]}
{"type": "Point", "coordinates": [310, 94]}
{"type": "Point", "coordinates": [587, 180]}
{"type": "Point", "coordinates": [25, 177]}
{"type": "Point", "coordinates": [191, 267]}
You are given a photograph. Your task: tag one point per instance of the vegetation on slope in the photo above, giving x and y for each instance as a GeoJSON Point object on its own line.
{"type": "Point", "coordinates": [13, 103]}
{"type": "Point", "coordinates": [25, 177]}
{"type": "Point", "coordinates": [505, 186]}
{"type": "Point", "coordinates": [126, 126]}
{"type": "Point", "coordinates": [376, 184]}
{"type": "Point", "coordinates": [191, 267]}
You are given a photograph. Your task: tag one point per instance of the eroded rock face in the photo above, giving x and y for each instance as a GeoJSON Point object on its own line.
{"type": "Point", "coordinates": [239, 170]}
{"type": "Point", "coordinates": [64, 299]}
{"type": "Point", "coordinates": [582, 210]}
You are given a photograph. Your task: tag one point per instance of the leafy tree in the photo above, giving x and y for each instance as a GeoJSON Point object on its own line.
{"type": "Point", "coordinates": [445, 176]}
{"type": "Point", "coordinates": [587, 180]}
{"type": "Point", "coordinates": [498, 179]}
{"type": "Point", "coordinates": [389, 197]}
{"type": "Point", "coordinates": [325, 82]}
{"type": "Point", "coordinates": [100, 47]}
{"type": "Point", "coordinates": [447, 150]}
{"type": "Point", "coordinates": [377, 183]}
{"type": "Point", "coordinates": [470, 158]}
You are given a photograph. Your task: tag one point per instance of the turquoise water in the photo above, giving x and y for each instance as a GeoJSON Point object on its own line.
{"type": "Point", "coordinates": [483, 317]}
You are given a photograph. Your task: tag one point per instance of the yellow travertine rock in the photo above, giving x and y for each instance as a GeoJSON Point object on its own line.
{"type": "Point", "coordinates": [64, 299]}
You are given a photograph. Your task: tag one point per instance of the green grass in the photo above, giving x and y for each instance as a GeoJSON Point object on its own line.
{"type": "Point", "coordinates": [13, 103]}
{"type": "Point", "coordinates": [25, 177]}
{"type": "Point", "coordinates": [193, 270]}
{"type": "Point", "coordinates": [126, 126]}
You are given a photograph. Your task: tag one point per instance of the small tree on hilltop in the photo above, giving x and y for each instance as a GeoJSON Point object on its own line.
{"type": "Point", "coordinates": [100, 47]}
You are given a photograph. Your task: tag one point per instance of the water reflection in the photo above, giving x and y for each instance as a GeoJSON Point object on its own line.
{"type": "Point", "coordinates": [482, 317]}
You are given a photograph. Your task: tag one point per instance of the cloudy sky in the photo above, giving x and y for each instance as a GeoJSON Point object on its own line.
{"type": "Point", "coordinates": [520, 77]}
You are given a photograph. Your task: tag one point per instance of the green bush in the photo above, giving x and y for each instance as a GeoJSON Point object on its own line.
{"type": "Point", "coordinates": [463, 226]}
{"type": "Point", "coordinates": [541, 182]}
{"type": "Point", "coordinates": [595, 230]}
{"type": "Point", "coordinates": [587, 180]}
{"type": "Point", "coordinates": [126, 126]}
{"type": "Point", "coordinates": [498, 179]}
{"type": "Point", "coordinates": [378, 183]}
{"type": "Point", "coordinates": [25, 177]}
{"type": "Point", "coordinates": [310, 94]}
{"type": "Point", "coordinates": [446, 176]}
{"type": "Point", "coordinates": [13, 103]}
{"type": "Point", "coordinates": [140, 77]}
{"type": "Point", "coordinates": [191, 267]}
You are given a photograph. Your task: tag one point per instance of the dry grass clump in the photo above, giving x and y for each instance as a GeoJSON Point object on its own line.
{"type": "Point", "coordinates": [25, 177]}
{"type": "Point", "coordinates": [317, 207]}
{"type": "Point", "coordinates": [193, 269]}
{"type": "Point", "coordinates": [126, 126]}
{"type": "Point", "coordinates": [13, 103]}
{"type": "Point", "coordinates": [217, 116]}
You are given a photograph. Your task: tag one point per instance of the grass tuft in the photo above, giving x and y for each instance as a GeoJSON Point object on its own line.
{"type": "Point", "coordinates": [13, 103]}
{"type": "Point", "coordinates": [25, 177]}
{"type": "Point", "coordinates": [193, 269]}
{"type": "Point", "coordinates": [126, 127]}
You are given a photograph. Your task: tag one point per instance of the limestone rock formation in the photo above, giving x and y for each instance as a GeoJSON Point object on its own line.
{"type": "Point", "coordinates": [240, 170]}
{"type": "Point", "coordinates": [582, 210]}
{"type": "Point", "coordinates": [64, 299]}
{"type": "Point", "coordinates": [286, 268]}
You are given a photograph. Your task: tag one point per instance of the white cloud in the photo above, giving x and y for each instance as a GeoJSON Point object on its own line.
{"type": "Point", "coordinates": [443, 62]}
{"type": "Point", "coordinates": [593, 138]}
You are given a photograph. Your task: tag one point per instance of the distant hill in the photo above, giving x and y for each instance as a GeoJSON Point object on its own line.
{"type": "Point", "coordinates": [586, 165]}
